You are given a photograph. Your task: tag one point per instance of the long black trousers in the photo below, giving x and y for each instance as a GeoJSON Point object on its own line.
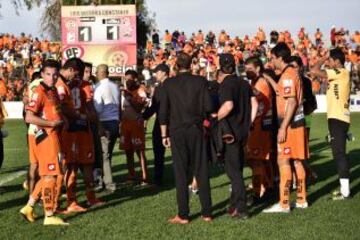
{"type": "Point", "coordinates": [234, 164]}
{"type": "Point", "coordinates": [188, 146]}
{"type": "Point", "coordinates": [338, 133]}
{"type": "Point", "coordinates": [159, 152]}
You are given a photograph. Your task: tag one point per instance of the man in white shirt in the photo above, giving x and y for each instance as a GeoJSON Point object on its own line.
{"type": "Point", "coordinates": [107, 103]}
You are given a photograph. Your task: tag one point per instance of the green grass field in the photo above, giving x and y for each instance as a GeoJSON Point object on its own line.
{"type": "Point", "coordinates": [134, 212]}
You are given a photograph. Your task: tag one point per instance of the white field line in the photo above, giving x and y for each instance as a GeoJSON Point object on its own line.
{"type": "Point", "coordinates": [12, 177]}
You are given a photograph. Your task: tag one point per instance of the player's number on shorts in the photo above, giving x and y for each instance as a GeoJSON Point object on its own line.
{"type": "Point", "coordinates": [75, 92]}
{"type": "Point", "coordinates": [112, 32]}
{"type": "Point", "coordinates": [85, 34]}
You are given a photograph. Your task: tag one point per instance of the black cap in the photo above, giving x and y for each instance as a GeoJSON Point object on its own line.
{"type": "Point", "coordinates": [162, 67]}
{"type": "Point", "coordinates": [227, 60]}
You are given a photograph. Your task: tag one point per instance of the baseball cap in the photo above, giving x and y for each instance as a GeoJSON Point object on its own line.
{"type": "Point", "coordinates": [227, 60]}
{"type": "Point", "coordinates": [162, 67]}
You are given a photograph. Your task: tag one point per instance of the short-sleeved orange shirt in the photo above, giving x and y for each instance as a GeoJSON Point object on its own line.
{"type": "Point", "coordinates": [289, 85]}
{"type": "Point", "coordinates": [45, 103]}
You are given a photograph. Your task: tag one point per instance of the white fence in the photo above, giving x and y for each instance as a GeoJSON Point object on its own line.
{"type": "Point", "coordinates": [15, 109]}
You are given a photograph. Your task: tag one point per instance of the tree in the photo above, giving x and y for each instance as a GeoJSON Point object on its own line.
{"type": "Point", "coordinates": [51, 17]}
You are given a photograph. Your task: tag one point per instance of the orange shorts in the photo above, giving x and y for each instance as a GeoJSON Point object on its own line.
{"type": "Point", "coordinates": [48, 153]}
{"type": "Point", "coordinates": [259, 144]}
{"type": "Point", "coordinates": [132, 135]}
{"type": "Point", "coordinates": [78, 147]}
{"type": "Point", "coordinates": [85, 153]}
{"type": "Point", "coordinates": [67, 141]}
{"type": "Point", "coordinates": [32, 147]}
{"type": "Point", "coordinates": [295, 146]}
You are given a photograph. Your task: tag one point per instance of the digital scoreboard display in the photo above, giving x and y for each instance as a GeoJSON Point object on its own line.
{"type": "Point", "coordinates": [100, 35]}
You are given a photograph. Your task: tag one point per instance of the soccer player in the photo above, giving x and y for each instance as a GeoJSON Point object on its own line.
{"type": "Point", "coordinates": [260, 141]}
{"type": "Point", "coordinates": [44, 111]}
{"type": "Point", "coordinates": [88, 77]}
{"type": "Point", "coordinates": [68, 73]}
{"type": "Point", "coordinates": [310, 106]}
{"type": "Point", "coordinates": [292, 142]}
{"type": "Point", "coordinates": [83, 145]}
{"type": "Point", "coordinates": [33, 168]}
{"type": "Point", "coordinates": [79, 147]}
{"type": "Point", "coordinates": [132, 138]}
{"type": "Point", "coordinates": [338, 113]}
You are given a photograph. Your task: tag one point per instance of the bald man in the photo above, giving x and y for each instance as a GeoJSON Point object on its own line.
{"type": "Point", "coordinates": [107, 102]}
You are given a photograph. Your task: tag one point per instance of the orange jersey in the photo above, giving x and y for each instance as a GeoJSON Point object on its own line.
{"type": "Point", "coordinates": [289, 85]}
{"type": "Point", "coordinates": [295, 145]}
{"type": "Point", "coordinates": [263, 94]}
{"type": "Point", "coordinates": [64, 93]}
{"type": "Point", "coordinates": [167, 38]}
{"type": "Point", "coordinates": [262, 125]}
{"type": "Point", "coordinates": [45, 103]}
{"type": "Point", "coordinates": [318, 35]}
{"type": "Point", "coordinates": [45, 45]}
{"type": "Point", "coordinates": [3, 88]}
{"type": "Point", "coordinates": [81, 95]}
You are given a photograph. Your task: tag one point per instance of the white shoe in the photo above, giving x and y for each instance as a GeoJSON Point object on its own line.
{"type": "Point", "coordinates": [299, 205]}
{"type": "Point", "coordinates": [276, 208]}
{"type": "Point", "coordinates": [193, 191]}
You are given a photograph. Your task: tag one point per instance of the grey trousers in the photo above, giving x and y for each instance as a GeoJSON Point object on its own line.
{"type": "Point", "coordinates": [107, 144]}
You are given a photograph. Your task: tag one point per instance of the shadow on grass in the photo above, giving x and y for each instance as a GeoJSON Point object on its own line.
{"type": "Point", "coordinates": [328, 170]}
{"type": "Point", "coordinates": [13, 169]}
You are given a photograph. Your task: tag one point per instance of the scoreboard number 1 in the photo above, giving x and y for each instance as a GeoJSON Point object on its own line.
{"type": "Point", "coordinates": [85, 34]}
{"type": "Point", "coordinates": [112, 32]}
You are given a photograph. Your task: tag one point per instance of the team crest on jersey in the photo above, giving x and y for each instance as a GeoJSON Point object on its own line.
{"type": "Point", "coordinates": [287, 151]}
{"type": "Point", "coordinates": [287, 90]}
{"type": "Point", "coordinates": [51, 167]}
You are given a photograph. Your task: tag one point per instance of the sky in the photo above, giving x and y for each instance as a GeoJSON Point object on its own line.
{"type": "Point", "coordinates": [237, 17]}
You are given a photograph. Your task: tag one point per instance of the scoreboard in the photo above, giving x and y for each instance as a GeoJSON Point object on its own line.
{"type": "Point", "coordinates": [101, 35]}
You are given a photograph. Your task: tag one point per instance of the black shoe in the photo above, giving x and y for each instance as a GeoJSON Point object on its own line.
{"type": "Point", "coordinates": [240, 215]}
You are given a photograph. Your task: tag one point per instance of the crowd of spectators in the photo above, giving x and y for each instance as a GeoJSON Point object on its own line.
{"type": "Point", "coordinates": [21, 55]}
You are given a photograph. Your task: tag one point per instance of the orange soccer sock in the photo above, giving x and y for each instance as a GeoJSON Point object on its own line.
{"type": "Point", "coordinates": [256, 180]}
{"type": "Point", "coordinates": [268, 175]}
{"type": "Point", "coordinates": [59, 181]}
{"type": "Point", "coordinates": [285, 184]}
{"type": "Point", "coordinates": [48, 194]}
{"type": "Point", "coordinates": [90, 195]}
{"type": "Point", "coordinates": [300, 183]}
{"type": "Point", "coordinates": [35, 195]}
{"type": "Point", "coordinates": [70, 186]}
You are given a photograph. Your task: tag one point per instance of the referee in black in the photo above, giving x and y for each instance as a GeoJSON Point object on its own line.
{"type": "Point", "coordinates": [161, 74]}
{"type": "Point", "coordinates": [236, 98]}
{"type": "Point", "coordinates": [185, 103]}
